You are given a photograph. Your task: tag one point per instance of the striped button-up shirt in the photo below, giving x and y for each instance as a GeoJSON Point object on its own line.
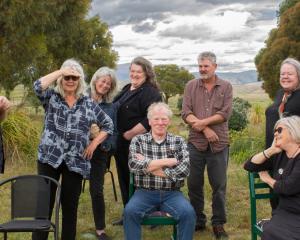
{"type": "Point", "coordinates": [172, 147]}
{"type": "Point", "coordinates": [66, 130]}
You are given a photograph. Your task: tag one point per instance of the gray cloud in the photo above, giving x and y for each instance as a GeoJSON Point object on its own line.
{"type": "Point", "coordinates": [144, 27]}
{"type": "Point", "coordinates": [197, 32]}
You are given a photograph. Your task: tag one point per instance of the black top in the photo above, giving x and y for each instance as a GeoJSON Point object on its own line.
{"type": "Point", "coordinates": [286, 172]}
{"type": "Point", "coordinates": [132, 106]}
{"type": "Point", "coordinates": [292, 107]}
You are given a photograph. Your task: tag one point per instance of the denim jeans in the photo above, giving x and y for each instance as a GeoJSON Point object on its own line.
{"type": "Point", "coordinates": [145, 201]}
{"type": "Point", "coordinates": [217, 175]}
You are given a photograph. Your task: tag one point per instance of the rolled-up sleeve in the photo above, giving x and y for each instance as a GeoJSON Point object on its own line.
{"type": "Point", "coordinates": [104, 120]}
{"type": "Point", "coordinates": [226, 109]}
{"type": "Point", "coordinates": [43, 95]}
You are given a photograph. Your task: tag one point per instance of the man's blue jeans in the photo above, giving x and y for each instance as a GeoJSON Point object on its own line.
{"type": "Point", "coordinates": [145, 201]}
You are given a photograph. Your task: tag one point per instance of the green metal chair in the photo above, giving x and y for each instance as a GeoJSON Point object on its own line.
{"type": "Point", "coordinates": [258, 190]}
{"type": "Point", "coordinates": [155, 220]}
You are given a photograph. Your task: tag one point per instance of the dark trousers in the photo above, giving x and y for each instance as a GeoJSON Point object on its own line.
{"type": "Point", "coordinates": [217, 175]}
{"type": "Point", "coordinates": [121, 157]}
{"type": "Point", "coordinates": [70, 192]}
{"type": "Point", "coordinates": [98, 168]}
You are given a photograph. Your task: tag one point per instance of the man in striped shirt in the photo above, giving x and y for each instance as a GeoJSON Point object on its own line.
{"type": "Point", "coordinates": [160, 162]}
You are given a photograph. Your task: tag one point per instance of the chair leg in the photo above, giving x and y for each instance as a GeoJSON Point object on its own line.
{"type": "Point", "coordinates": [174, 232]}
{"type": "Point", "coordinates": [5, 235]}
{"type": "Point", "coordinates": [113, 184]}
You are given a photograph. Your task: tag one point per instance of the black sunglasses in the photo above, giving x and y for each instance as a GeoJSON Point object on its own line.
{"type": "Point", "coordinates": [279, 130]}
{"type": "Point", "coordinates": [73, 78]}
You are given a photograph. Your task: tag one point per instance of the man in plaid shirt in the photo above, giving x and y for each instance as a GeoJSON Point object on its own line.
{"type": "Point", "coordinates": [160, 162]}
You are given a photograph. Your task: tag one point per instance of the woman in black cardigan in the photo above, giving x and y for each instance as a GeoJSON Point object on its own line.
{"type": "Point", "coordinates": [283, 160]}
{"type": "Point", "coordinates": [132, 104]}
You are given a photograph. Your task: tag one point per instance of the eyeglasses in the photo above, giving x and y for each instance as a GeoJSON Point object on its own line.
{"type": "Point", "coordinates": [73, 78]}
{"type": "Point", "coordinates": [279, 130]}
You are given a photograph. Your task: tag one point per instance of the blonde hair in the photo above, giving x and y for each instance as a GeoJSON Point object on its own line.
{"type": "Point", "coordinates": [72, 63]}
{"type": "Point", "coordinates": [101, 72]}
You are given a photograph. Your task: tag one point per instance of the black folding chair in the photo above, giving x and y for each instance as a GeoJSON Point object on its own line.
{"type": "Point", "coordinates": [30, 204]}
{"type": "Point", "coordinates": [112, 179]}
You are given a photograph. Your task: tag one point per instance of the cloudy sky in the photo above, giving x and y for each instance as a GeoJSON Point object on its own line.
{"type": "Point", "coordinates": [175, 31]}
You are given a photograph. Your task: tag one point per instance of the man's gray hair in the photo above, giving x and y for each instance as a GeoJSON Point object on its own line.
{"type": "Point", "coordinates": [292, 124]}
{"type": "Point", "coordinates": [72, 63]}
{"type": "Point", "coordinates": [159, 106]}
{"type": "Point", "coordinates": [102, 72]}
{"type": "Point", "coordinates": [296, 64]}
{"type": "Point", "coordinates": [207, 55]}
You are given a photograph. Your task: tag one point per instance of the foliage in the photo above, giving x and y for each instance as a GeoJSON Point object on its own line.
{"type": "Point", "coordinates": [179, 103]}
{"type": "Point", "coordinates": [37, 36]}
{"type": "Point", "coordinates": [21, 137]}
{"type": "Point", "coordinates": [172, 79]}
{"type": "Point", "coordinates": [238, 120]}
{"type": "Point", "coordinates": [282, 42]}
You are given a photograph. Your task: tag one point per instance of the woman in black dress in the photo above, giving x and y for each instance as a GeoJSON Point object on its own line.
{"type": "Point", "coordinates": [283, 160]}
{"type": "Point", "coordinates": [132, 104]}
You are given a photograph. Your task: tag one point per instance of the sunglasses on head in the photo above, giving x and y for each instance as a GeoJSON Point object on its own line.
{"type": "Point", "coordinates": [279, 130]}
{"type": "Point", "coordinates": [73, 78]}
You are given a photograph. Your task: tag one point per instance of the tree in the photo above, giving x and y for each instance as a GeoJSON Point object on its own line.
{"type": "Point", "coordinates": [37, 36]}
{"type": "Point", "coordinates": [282, 42]}
{"type": "Point", "coordinates": [172, 79]}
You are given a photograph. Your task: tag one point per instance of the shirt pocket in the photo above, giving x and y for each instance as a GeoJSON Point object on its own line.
{"type": "Point", "coordinates": [218, 103]}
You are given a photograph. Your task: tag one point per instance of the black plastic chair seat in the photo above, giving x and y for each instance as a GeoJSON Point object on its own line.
{"type": "Point", "coordinates": [25, 225]}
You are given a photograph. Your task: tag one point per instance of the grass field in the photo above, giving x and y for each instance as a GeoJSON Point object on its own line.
{"type": "Point", "coordinates": [237, 191]}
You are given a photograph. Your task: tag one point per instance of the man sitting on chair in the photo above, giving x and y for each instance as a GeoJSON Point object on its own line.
{"type": "Point", "coordinates": [159, 161]}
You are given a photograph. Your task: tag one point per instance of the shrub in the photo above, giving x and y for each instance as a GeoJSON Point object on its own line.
{"type": "Point", "coordinates": [239, 118]}
{"type": "Point", "coordinates": [21, 136]}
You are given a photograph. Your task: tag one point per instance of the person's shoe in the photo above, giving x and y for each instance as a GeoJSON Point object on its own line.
{"type": "Point", "coordinates": [118, 222]}
{"type": "Point", "coordinates": [103, 236]}
{"type": "Point", "coordinates": [200, 227]}
{"type": "Point", "coordinates": [220, 232]}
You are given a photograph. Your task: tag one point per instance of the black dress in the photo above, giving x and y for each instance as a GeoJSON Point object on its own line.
{"type": "Point", "coordinates": [285, 221]}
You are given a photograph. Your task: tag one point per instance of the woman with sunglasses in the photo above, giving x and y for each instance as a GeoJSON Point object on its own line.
{"type": "Point", "coordinates": [286, 103]}
{"type": "Point", "coordinates": [282, 160]}
{"type": "Point", "coordinates": [65, 149]}
{"type": "Point", "coordinates": [102, 87]}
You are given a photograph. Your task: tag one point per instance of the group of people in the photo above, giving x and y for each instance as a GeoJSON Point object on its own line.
{"type": "Point", "coordinates": [85, 126]}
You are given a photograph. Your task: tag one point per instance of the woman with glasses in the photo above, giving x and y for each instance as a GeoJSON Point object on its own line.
{"type": "Point", "coordinates": [282, 160]}
{"type": "Point", "coordinates": [286, 103]}
{"type": "Point", "coordinates": [102, 87]}
{"type": "Point", "coordinates": [65, 149]}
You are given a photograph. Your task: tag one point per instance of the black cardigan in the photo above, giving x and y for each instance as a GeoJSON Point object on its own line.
{"type": "Point", "coordinates": [134, 109]}
{"type": "Point", "coordinates": [292, 107]}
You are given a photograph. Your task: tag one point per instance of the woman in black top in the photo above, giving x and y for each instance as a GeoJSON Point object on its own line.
{"type": "Point", "coordinates": [287, 100]}
{"type": "Point", "coordinates": [283, 160]}
{"type": "Point", "coordinates": [132, 104]}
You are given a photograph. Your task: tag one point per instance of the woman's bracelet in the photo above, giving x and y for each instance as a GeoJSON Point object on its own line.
{"type": "Point", "coordinates": [265, 155]}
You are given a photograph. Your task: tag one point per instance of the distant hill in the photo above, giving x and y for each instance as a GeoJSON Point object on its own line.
{"type": "Point", "coordinates": [249, 76]}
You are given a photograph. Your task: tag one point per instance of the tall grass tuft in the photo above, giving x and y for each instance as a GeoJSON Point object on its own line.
{"type": "Point", "coordinates": [21, 135]}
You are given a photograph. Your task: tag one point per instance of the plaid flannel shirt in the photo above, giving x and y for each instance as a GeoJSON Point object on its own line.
{"type": "Point", "coordinates": [172, 147]}
{"type": "Point", "coordinates": [66, 130]}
